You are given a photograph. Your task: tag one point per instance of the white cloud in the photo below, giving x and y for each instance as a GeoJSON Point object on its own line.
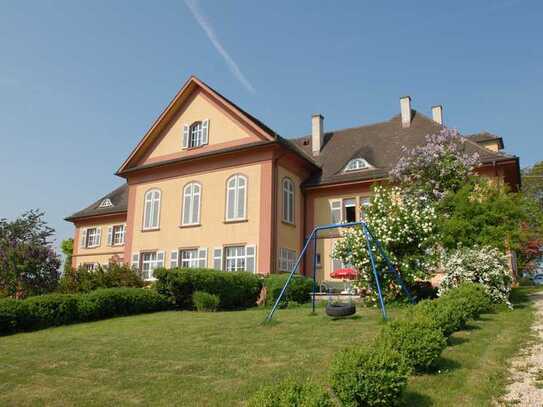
{"type": "Point", "coordinates": [194, 8]}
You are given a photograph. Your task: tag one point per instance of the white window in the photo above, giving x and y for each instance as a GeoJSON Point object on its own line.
{"type": "Point", "coordinates": [335, 211]}
{"type": "Point", "coordinates": [191, 204]}
{"type": "Point", "coordinates": [288, 200]}
{"type": "Point", "coordinates": [240, 258]}
{"type": "Point", "coordinates": [236, 197]}
{"type": "Point", "coordinates": [117, 235]}
{"type": "Point", "coordinates": [90, 266]}
{"type": "Point", "coordinates": [356, 165]}
{"type": "Point", "coordinates": [151, 211]}
{"type": "Point", "coordinates": [349, 210]}
{"type": "Point", "coordinates": [193, 258]}
{"type": "Point", "coordinates": [287, 259]}
{"type": "Point", "coordinates": [93, 238]}
{"type": "Point", "coordinates": [106, 203]}
{"type": "Point", "coordinates": [217, 258]}
{"type": "Point", "coordinates": [196, 134]}
{"type": "Point", "coordinates": [149, 262]}
{"type": "Point", "coordinates": [364, 204]}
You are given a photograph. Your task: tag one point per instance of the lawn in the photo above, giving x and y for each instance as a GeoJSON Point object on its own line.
{"type": "Point", "coordinates": [189, 358]}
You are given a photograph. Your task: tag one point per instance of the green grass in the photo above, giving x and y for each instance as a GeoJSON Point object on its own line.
{"type": "Point", "coordinates": [188, 358]}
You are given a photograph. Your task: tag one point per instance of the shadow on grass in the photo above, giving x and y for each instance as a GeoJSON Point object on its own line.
{"type": "Point", "coordinates": [455, 341]}
{"type": "Point", "coordinates": [444, 365]}
{"type": "Point", "coordinates": [412, 398]}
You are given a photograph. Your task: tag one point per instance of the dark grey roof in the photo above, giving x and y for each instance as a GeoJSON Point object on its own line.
{"type": "Point", "coordinates": [118, 197]}
{"type": "Point", "coordinates": [380, 144]}
{"type": "Point", "coordinates": [484, 137]}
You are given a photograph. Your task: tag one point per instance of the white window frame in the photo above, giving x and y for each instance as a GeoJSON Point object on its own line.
{"type": "Point", "coordinates": [90, 266]}
{"type": "Point", "coordinates": [217, 258]}
{"type": "Point", "coordinates": [118, 234]}
{"type": "Point", "coordinates": [155, 261]}
{"type": "Point", "coordinates": [238, 259]}
{"type": "Point", "coordinates": [190, 191]}
{"type": "Point", "coordinates": [236, 188]}
{"type": "Point", "coordinates": [92, 237]}
{"type": "Point", "coordinates": [288, 200]}
{"type": "Point", "coordinates": [336, 205]}
{"type": "Point", "coordinates": [356, 164]}
{"type": "Point", "coordinates": [287, 259]}
{"type": "Point", "coordinates": [193, 258]}
{"type": "Point", "coordinates": [150, 198]}
{"type": "Point", "coordinates": [106, 203]}
{"type": "Point", "coordinates": [196, 134]}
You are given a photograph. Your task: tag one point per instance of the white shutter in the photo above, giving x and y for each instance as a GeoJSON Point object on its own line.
{"type": "Point", "coordinates": [173, 258]}
{"type": "Point", "coordinates": [185, 141]}
{"type": "Point", "coordinates": [110, 236]}
{"type": "Point", "coordinates": [124, 234]}
{"type": "Point", "coordinates": [83, 239]}
{"type": "Point", "coordinates": [202, 255]}
{"type": "Point", "coordinates": [335, 211]}
{"type": "Point", "coordinates": [136, 261]}
{"type": "Point", "coordinates": [217, 258]}
{"type": "Point", "coordinates": [205, 131]}
{"type": "Point", "coordinates": [250, 258]}
{"type": "Point", "coordinates": [98, 235]}
{"type": "Point", "coordinates": [160, 258]}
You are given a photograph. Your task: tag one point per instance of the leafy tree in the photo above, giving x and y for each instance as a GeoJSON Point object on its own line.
{"type": "Point", "coordinates": [28, 262]}
{"type": "Point", "coordinates": [67, 247]}
{"type": "Point", "coordinates": [532, 182]}
{"type": "Point", "coordinates": [437, 167]}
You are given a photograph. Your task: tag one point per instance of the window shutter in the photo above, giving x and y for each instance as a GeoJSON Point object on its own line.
{"type": "Point", "coordinates": [124, 233]}
{"type": "Point", "coordinates": [98, 235]}
{"type": "Point", "coordinates": [160, 258]}
{"type": "Point", "coordinates": [83, 239]}
{"type": "Point", "coordinates": [217, 258]}
{"type": "Point", "coordinates": [205, 131]}
{"type": "Point", "coordinates": [185, 141]}
{"type": "Point", "coordinates": [250, 258]}
{"type": "Point", "coordinates": [136, 261]}
{"type": "Point", "coordinates": [202, 255]}
{"type": "Point", "coordinates": [173, 258]}
{"type": "Point", "coordinates": [110, 236]}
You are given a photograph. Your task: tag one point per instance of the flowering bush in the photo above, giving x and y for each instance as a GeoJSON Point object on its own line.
{"type": "Point", "coordinates": [405, 225]}
{"type": "Point", "coordinates": [484, 265]}
{"type": "Point", "coordinates": [439, 166]}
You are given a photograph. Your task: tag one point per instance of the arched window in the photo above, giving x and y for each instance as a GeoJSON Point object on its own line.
{"type": "Point", "coordinates": [236, 197]}
{"type": "Point", "coordinates": [356, 164]}
{"type": "Point", "coordinates": [191, 204]}
{"type": "Point", "coordinates": [195, 135]}
{"type": "Point", "coordinates": [288, 200]}
{"type": "Point", "coordinates": [151, 209]}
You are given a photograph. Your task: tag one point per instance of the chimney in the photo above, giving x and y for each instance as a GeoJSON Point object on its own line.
{"type": "Point", "coordinates": [437, 114]}
{"type": "Point", "coordinates": [317, 133]}
{"type": "Point", "coordinates": [405, 108]}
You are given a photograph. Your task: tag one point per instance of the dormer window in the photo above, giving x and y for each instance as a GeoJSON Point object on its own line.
{"type": "Point", "coordinates": [356, 164]}
{"type": "Point", "coordinates": [195, 134]}
{"type": "Point", "coordinates": [106, 203]}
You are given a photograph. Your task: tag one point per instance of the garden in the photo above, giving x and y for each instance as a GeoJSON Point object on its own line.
{"type": "Point", "coordinates": [196, 336]}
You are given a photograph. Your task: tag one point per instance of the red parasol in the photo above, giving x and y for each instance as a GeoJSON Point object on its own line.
{"type": "Point", "coordinates": [345, 274]}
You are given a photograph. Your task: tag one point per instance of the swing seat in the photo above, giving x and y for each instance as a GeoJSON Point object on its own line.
{"type": "Point", "coordinates": [340, 310]}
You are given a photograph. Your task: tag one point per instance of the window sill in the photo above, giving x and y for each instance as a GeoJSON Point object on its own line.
{"type": "Point", "coordinates": [91, 247]}
{"type": "Point", "coordinates": [291, 224]}
{"type": "Point", "coordinates": [117, 245]}
{"type": "Point", "coordinates": [192, 225]}
{"type": "Point", "coordinates": [236, 221]}
{"type": "Point", "coordinates": [150, 230]}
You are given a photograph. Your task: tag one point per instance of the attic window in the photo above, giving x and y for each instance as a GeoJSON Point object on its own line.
{"type": "Point", "coordinates": [106, 203]}
{"type": "Point", "coordinates": [356, 164]}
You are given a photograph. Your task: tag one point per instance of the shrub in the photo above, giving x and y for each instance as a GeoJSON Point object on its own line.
{"type": "Point", "coordinates": [61, 309]}
{"type": "Point", "coordinates": [418, 339]}
{"type": "Point", "coordinates": [475, 298]}
{"type": "Point", "coordinates": [299, 290]}
{"type": "Point", "coordinates": [291, 392]}
{"type": "Point", "coordinates": [423, 290]}
{"type": "Point", "coordinates": [447, 315]}
{"type": "Point", "coordinates": [204, 301]}
{"type": "Point", "coordinates": [235, 290]}
{"type": "Point", "coordinates": [485, 265]}
{"type": "Point", "coordinates": [369, 376]}
{"type": "Point", "coordinates": [83, 280]}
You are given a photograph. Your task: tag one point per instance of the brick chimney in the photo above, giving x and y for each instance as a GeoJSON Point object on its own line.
{"type": "Point", "coordinates": [317, 133]}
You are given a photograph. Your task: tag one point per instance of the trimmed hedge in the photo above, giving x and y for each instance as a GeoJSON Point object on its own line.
{"type": "Point", "coordinates": [299, 290]}
{"type": "Point", "coordinates": [235, 290]}
{"type": "Point", "coordinates": [291, 392]}
{"type": "Point", "coordinates": [81, 280]}
{"type": "Point", "coordinates": [205, 302]}
{"type": "Point", "coordinates": [474, 298]}
{"type": "Point", "coordinates": [369, 376]}
{"type": "Point", "coordinates": [63, 309]}
{"type": "Point", "coordinates": [449, 316]}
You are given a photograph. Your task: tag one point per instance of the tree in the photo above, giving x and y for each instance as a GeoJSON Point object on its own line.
{"type": "Point", "coordinates": [67, 247]}
{"type": "Point", "coordinates": [532, 182]}
{"type": "Point", "coordinates": [28, 262]}
{"type": "Point", "coordinates": [437, 167]}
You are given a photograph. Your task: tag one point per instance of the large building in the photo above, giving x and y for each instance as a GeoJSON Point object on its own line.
{"type": "Point", "coordinates": [211, 186]}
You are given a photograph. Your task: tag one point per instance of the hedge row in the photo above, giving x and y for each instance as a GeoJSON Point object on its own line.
{"type": "Point", "coordinates": [62, 309]}
{"type": "Point", "coordinates": [299, 290]}
{"type": "Point", "coordinates": [377, 375]}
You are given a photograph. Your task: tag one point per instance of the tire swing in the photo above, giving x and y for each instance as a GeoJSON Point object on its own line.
{"type": "Point", "coordinates": [339, 309]}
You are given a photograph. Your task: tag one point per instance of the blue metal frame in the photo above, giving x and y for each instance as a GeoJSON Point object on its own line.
{"type": "Point", "coordinates": [313, 236]}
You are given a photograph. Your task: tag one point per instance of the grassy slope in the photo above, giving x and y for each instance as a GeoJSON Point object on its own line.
{"type": "Point", "coordinates": [222, 358]}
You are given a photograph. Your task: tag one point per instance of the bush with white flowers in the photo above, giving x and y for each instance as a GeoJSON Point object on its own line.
{"type": "Point", "coordinates": [484, 265]}
{"type": "Point", "coordinates": [405, 224]}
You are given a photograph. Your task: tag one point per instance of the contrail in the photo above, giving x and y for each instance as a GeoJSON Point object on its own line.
{"type": "Point", "coordinates": [208, 29]}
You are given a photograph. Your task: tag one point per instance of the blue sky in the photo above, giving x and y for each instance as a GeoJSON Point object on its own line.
{"type": "Point", "coordinates": [81, 81]}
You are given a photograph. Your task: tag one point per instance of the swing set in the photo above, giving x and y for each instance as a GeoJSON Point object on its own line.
{"type": "Point", "coordinates": [373, 245]}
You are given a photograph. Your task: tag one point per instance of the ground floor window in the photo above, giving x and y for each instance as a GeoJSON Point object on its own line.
{"type": "Point", "coordinates": [240, 258]}
{"type": "Point", "coordinates": [149, 262]}
{"type": "Point", "coordinates": [349, 210]}
{"type": "Point", "coordinates": [90, 266]}
{"type": "Point", "coordinates": [287, 259]}
{"type": "Point", "coordinates": [193, 258]}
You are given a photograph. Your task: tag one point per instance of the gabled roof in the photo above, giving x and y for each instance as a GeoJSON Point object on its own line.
{"type": "Point", "coordinates": [485, 137]}
{"type": "Point", "coordinates": [380, 144]}
{"type": "Point", "coordinates": [193, 83]}
{"type": "Point", "coordinates": [118, 197]}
